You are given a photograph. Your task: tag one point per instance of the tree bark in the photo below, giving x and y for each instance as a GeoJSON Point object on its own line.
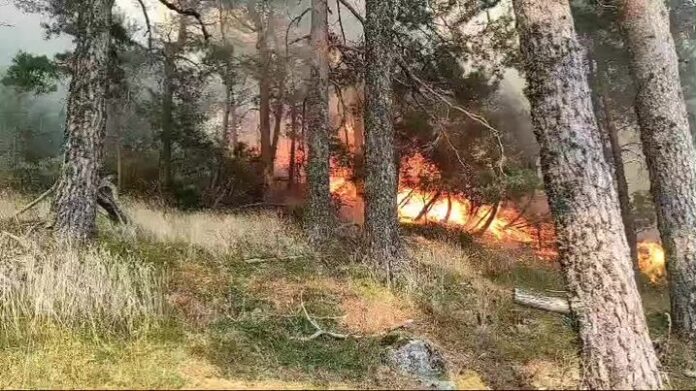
{"type": "Point", "coordinates": [171, 50]}
{"type": "Point", "coordinates": [617, 164]}
{"type": "Point", "coordinates": [668, 147]}
{"type": "Point", "coordinates": [262, 15]}
{"type": "Point", "coordinates": [293, 146]}
{"type": "Point", "coordinates": [617, 352]}
{"type": "Point", "coordinates": [381, 177]}
{"type": "Point", "coordinates": [318, 221]}
{"type": "Point", "coordinates": [683, 22]}
{"type": "Point", "coordinates": [75, 204]}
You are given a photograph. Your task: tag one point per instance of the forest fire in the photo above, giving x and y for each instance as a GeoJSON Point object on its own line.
{"type": "Point", "coordinates": [651, 260]}
{"type": "Point", "coordinates": [503, 224]}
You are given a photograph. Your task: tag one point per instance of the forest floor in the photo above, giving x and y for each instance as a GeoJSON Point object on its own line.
{"type": "Point", "coordinates": [204, 300]}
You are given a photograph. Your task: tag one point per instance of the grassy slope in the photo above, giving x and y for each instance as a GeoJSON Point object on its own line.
{"type": "Point", "coordinates": [228, 323]}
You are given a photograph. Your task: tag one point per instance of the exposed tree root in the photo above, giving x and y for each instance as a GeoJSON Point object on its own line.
{"type": "Point", "coordinates": [106, 198]}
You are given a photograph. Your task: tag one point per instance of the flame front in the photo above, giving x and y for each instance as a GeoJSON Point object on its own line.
{"type": "Point", "coordinates": [502, 223]}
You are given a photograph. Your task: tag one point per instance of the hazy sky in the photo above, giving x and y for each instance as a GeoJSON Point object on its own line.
{"type": "Point", "coordinates": [25, 32]}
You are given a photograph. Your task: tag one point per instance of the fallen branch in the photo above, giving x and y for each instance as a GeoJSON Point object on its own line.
{"type": "Point", "coordinates": [35, 202]}
{"type": "Point", "coordinates": [272, 259]}
{"type": "Point", "coordinates": [547, 303]}
{"type": "Point", "coordinates": [320, 331]}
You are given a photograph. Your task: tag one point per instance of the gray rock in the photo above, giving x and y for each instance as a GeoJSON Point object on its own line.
{"type": "Point", "coordinates": [419, 359]}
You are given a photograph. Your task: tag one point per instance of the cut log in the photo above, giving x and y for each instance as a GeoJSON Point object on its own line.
{"type": "Point", "coordinates": [559, 305]}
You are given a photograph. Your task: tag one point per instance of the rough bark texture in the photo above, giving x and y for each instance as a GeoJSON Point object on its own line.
{"type": "Point", "coordinates": [75, 204]}
{"type": "Point", "coordinates": [668, 147]}
{"type": "Point", "coordinates": [318, 168]}
{"type": "Point", "coordinates": [617, 164]}
{"type": "Point", "coordinates": [381, 176]}
{"type": "Point", "coordinates": [621, 184]}
{"type": "Point", "coordinates": [683, 22]}
{"type": "Point", "coordinates": [262, 16]}
{"type": "Point", "coordinates": [616, 349]}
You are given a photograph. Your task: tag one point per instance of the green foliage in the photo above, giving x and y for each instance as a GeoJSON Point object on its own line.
{"type": "Point", "coordinates": [30, 73]}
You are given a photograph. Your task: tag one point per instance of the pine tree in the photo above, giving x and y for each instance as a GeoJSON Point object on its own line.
{"type": "Point", "coordinates": [667, 145]}
{"type": "Point", "coordinates": [75, 204]}
{"type": "Point", "coordinates": [319, 198]}
{"type": "Point", "coordinates": [381, 174]}
{"type": "Point", "coordinates": [617, 352]}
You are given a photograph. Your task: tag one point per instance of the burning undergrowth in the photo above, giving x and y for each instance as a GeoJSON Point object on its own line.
{"type": "Point", "coordinates": [503, 223]}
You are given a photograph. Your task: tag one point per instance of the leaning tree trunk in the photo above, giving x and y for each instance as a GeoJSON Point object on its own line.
{"type": "Point", "coordinates": [75, 204]}
{"type": "Point", "coordinates": [381, 176]}
{"type": "Point", "coordinates": [318, 221]}
{"type": "Point", "coordinates": [616, 349]}
{"type": "Point", "coordinates": [668, 147]}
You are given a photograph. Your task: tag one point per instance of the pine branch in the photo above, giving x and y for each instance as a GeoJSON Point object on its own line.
{"type": "Point", "coordinates": [189, 12]}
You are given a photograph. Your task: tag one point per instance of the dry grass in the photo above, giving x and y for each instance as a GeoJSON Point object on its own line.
{"type": "Point", "coordinates": [78, 288]}
{"type": "Point", "coordinates": [246, 235]}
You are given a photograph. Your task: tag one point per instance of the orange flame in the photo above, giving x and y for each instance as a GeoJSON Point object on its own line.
{"type": "Point", "coordinates": [506, 226]}
{"type": "Point", "coordinates": [651, 261]}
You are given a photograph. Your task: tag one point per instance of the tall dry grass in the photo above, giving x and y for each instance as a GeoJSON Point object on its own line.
{"type": "Point", "coordinates": [88, 288]}
{"type": "Point", "coordinates": [258, 234]}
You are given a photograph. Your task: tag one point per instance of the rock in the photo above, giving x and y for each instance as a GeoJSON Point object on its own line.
{"type": "Point", "coordinates": [691, 374]}
{"type": "Point", "coordinates": [421, 360]}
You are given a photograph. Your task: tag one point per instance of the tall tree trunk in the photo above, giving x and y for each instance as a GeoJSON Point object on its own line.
{"type": "Point", "coordinates": [381, 177]}
{"type": "Point", "coordinates": [75, 204]}
{"type": "Point", "coordinates": [293, 146]}
{"type": "Point", "coordinates": [683, 22]}
{"type": "Point", "coordinates": [277, 126]}
{"type": "Point", "coordinates": [262, 25]}
{"type": "Point", "coordinates": [318, 222]}
{"type": "Point", "coordinates": [668, 147]}
{"type": "Point", "coordinates": [617, 164]}
{"type": "Point", "coordinates": [167, 120]}
{"type": "Point", "coordinates": [171, 50]}
{"type": "Point", "coordinates": [617, 352]}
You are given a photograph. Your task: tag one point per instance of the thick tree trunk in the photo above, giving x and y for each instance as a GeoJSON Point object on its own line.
{"type": "Point", "coordinates": [616, 349]}
{"type": "Point", "coordinates": [668, 147]}
{"type": "Point", "coordinates": [683, 22]}
{"type": "Point", "coordinates": [381, 176]}
{"type": "Point", "coordinates": [318, 221]}
{"type": "Point", "coordinates": [75, 204]}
